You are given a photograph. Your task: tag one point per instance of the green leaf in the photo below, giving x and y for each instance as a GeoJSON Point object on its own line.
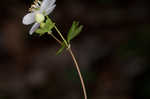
{"type": "Point", "coordinates": [49, 24]}
{"type": "Point", "coordinates": [49, 20]}
{"type": "Point", "coordinates": [41, 31]}
{"type": "Point", "coordinates": [74, 31]}
{"type": "Point", "coordinates": [61, 49]}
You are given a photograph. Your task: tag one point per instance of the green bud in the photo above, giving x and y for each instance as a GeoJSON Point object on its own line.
{"type": "Point", "coordinates": [42, 24]}
{"type": "Point", "coordinates": [39, 18]}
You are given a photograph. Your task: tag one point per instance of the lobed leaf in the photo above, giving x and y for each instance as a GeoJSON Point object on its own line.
{"type": "Point", "coordinates": [74, 31]}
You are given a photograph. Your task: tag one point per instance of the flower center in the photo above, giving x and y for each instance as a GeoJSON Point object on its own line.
{"type": "Point", "coordinates": [39, 18]}
{"type": "Point", "coordinates": [35, 6]}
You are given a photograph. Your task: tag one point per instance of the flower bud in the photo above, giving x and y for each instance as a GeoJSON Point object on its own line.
{"type": "Point", "coordinates": [42, 24]}
{"type": "Point", "coordinates": [39, 18]}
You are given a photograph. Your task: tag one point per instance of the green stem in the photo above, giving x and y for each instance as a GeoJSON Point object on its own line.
{"type": "Point", "coordinates": [67, 45]}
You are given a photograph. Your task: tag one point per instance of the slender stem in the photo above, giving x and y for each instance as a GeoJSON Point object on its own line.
{"type": "Point", "coordinates": [55, 38]}
{"type": "Point", "coordinates": [61, 36]}
{"type": "Point", "coordinates": [79, 72]}
{"type": "Point", "coordinates": [74, 59]}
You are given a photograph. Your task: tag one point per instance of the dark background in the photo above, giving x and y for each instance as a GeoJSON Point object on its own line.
{"type": "Point", "coordinates": [112, 50]}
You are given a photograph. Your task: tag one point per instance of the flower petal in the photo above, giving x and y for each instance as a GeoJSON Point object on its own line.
{"type": "Point", "coordinates": [28, 19]}
{"type": "Point", "coordinates": [46, 4]}
{"type": "Point", "coordinates": [34, 28]}
{"type": "Point", "coordinates": [50, 9]}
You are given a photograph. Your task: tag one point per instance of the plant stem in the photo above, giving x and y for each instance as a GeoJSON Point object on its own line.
{"type": "Point", "coordinates": [79, 72]}
{"type": "Point", "coordinates": [76, 64]}
{"type": "Point", "coordinates": [55, 38]}
{"type": "Point", "coordinates": [61, 36]}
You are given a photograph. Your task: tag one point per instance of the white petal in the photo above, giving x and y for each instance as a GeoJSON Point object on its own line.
{"type": "Point", "coordinates": [34, 28]}
{"type": "Point", "coordinates": [46, 4]}
{"type": "Point", "coordinates": [28, 19]}
{"type": "Point", "coordinates": [50, 9]}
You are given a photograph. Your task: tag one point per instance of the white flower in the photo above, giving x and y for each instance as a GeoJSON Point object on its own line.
{"type": "Point", "coordinates": [38, 12]}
